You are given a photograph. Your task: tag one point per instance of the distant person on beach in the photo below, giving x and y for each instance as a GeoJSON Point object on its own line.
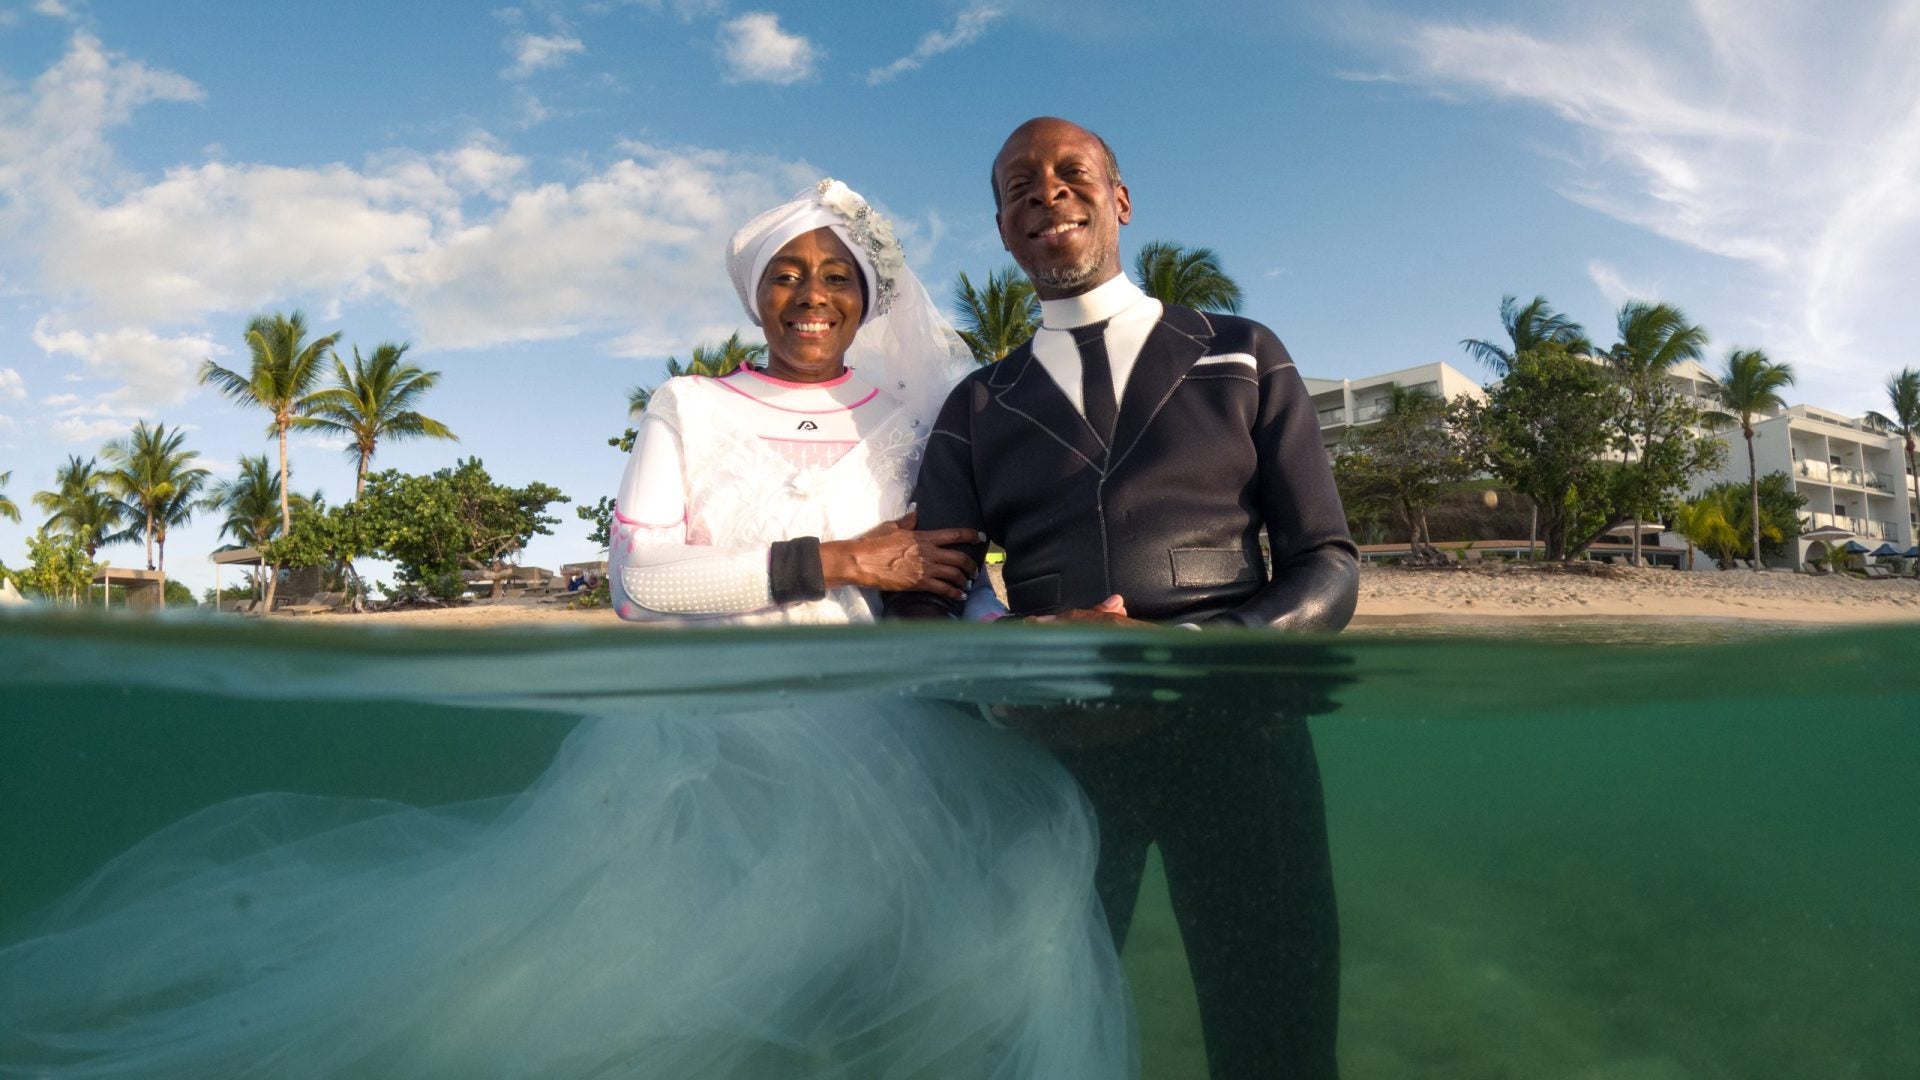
{"type": "Point", "coordinates": [818, 886]}
{"type": "Point", "coordinates": [1131, 459]}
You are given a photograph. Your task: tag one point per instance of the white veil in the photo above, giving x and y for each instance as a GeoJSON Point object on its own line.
{"type": "Point", "coordinates": [905, 345]}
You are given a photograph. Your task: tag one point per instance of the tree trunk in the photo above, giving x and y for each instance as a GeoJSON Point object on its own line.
{"type": "Point", "coordinates": [149, 539]}
{"type": "Point", "coordinates": [1753, 485]}
{"type": "Point", "coordinates": [273, 585]}
{"type": "Point", "coordinates": [360, 478]}
{"type": "Point", "coordinates": [162, 567]}
{"type": "Point", "coordinates": [286, 508]}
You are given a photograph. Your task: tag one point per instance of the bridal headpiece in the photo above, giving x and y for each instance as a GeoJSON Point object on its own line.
{"type": "Point", "coordinates": [828, 204]}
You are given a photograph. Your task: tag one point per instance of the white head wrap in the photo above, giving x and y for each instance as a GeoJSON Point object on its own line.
{"type": "Point", "coordinates": [905, 347]}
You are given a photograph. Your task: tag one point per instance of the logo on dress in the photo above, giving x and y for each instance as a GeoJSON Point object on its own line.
{"type": "Point", "coordinates": [808, 425]}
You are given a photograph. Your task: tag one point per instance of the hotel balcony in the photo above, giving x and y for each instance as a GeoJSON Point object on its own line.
{"type": "Point", "coordinates": [1861, 527]}
{"type": "Point", "coordinates": [1332, 417]}
{"type": "Point", "coordinates": [1824, 473]}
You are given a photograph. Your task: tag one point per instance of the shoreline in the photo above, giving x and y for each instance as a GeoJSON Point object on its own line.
{"type": "Point", "coordinates": [1499, 594]}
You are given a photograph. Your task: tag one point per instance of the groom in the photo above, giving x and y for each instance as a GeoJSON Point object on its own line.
{"type": "Point", "coordinates": [1130, 459]}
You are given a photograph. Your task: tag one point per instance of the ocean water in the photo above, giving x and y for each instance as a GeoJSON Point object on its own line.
{"type": "Point", "coordinates": [1683, 852]}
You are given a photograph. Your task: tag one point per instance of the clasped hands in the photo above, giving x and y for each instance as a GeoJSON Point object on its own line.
{"type": "Point", "coordinates": [895, 557]}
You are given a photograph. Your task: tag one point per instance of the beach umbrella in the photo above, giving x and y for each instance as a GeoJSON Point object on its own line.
{"type": "Point", "coordinates": [1885, 550]}
{"type": "Point", "coordinates": [1911, 553]}
{"type": "Point", "coordinates": [1854, 547]}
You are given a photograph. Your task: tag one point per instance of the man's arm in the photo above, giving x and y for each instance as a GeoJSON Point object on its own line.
{"type": "Point", "coordinates": [946, 497]}
{"type": "Point", "coordinates": [1316, 568]}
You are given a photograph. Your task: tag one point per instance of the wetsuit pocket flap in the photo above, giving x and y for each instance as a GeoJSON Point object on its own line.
{"type": "Point", "coordinates": [1195, 567]}
{"type": "Point", "coordinates": [1034, 596]}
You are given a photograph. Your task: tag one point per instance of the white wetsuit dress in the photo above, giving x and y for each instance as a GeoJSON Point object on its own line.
{"type": "Point", "coordinates": [819, 886]}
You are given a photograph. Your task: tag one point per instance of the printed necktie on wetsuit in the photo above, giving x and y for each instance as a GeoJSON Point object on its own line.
{"type": "Point", "coordinates": [1096, 380]}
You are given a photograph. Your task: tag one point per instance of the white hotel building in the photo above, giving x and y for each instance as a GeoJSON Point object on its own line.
{"type": "Point", "coordinates": [1854, 478]}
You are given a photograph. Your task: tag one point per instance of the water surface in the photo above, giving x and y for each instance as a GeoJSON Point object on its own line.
{"type": "Point", "coordinates": [1690, 854]}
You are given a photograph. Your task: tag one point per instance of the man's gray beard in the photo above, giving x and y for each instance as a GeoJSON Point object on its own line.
{"type": "Point", "coordinates": [1068, 277]}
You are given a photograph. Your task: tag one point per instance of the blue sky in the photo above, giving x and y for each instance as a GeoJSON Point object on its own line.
{"type": "Point", "coordinates": [536, 196]}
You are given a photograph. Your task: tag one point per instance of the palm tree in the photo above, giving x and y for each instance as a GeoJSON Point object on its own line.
{"type": "Point", "coordinates": [1653, 338]}
{"type": "Point", "coordinates": [7, 509]}
{"type": "Point", "coordinates": [251, 502]}
{"type": "Point", "coordinates": [998, 319]}
{"type": "Point", "coordinates": [154, 477]}
{"type": "Point", "coordinates": [1751, 384]}
{"type": "Point", "coordinates": [713, 361]}
{"type": "Point", "coordinates": [1528, 328]}
{"type": "Point", "coordinates": [80, 505]}
{"type": "Point", "coordinates": [285, 366]}
{"type": "Point", "coordinates": [373, 401]}
{"type": "Point", "coordinates": [1189, 277]}
{"type": "Point", "coordinates": [1705, 523]}
{"type": "Point", "coordinates": [1903, 396]}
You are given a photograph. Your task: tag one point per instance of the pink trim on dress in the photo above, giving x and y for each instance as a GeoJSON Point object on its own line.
{"type": "Point", "coordinates": [798, 386]}
{"type": "Point", "coordinates": [625, 520]}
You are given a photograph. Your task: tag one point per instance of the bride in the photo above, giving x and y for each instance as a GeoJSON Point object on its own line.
{"type": "Point", "coordinates": [830, 888]}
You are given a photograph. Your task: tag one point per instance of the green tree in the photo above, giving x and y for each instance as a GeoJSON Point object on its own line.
{"type": "Point", "coordinates": [80, 505]}
{"type": "Point", "coordinates": [373, 400]}
{"type": "Point", "coordinates": [154, 477]}
{"type": "Point", "coordinates": [1544, 431]}
{"type": "Point", "coordinates": [1528, 328]}
{"type": "Point", "coordinates": [60, 565]}
{"type": "Point", "coordinates": [1188, 277]}
{"type": "Point", "coordinates": [1404, 462]}
{"type": "Point", "coordinates": [996, 319]}
{"type": "Point", "coordinates": [1779, 510]}
{"type": "Point", "coordinates": [285, 365]}
{"type": "Point", "coordinates": [1750, 384]}
{"type": "Point", "coordinates": [713, 361]}
{"type": "Point", "coordinates": [434, 527]}
{"type": "Point", "coordinates": [1657, 429]}
{"type": "Point", "coordinates": [7, 509]}
{"type": "Point", "coordinates": [1705, 523]}
{"type": "Point", "coordinates": [1903, 398]}
{"type": "Point", "coordinates": [250, 503]}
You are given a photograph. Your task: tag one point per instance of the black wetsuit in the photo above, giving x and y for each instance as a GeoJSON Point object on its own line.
{"type": "Point", "coordinates": [1215, 443]}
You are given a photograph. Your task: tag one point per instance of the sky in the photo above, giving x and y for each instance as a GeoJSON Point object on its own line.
{"type": "Point", "coordinates": [536, 197]}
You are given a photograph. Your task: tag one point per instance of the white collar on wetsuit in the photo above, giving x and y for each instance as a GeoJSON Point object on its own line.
{"type": "Point", "coordinates": [1103, 301]}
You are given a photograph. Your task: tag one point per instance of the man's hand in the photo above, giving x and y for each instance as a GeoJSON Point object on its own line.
{"type": "Point", "coordinates": [892, 556]}
{"type": "Point", "coordinates": [1112, 611]}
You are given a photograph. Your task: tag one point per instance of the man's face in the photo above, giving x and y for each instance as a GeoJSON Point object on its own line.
{"type": "Point", "coordinates": [1060, 211]}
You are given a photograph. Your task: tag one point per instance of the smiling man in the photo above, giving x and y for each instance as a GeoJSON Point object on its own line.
{"type": "Point", "coordinates": [1131, 459]}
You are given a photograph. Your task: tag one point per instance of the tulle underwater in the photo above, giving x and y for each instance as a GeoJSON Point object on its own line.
{"type": "Point", "coordinates": [1677, 852]}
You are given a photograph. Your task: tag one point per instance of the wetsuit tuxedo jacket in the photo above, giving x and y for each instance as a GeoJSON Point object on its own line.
{"type": "Point", "coordinates": [1216, 441]}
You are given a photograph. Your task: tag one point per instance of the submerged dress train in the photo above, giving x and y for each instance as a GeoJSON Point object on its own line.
{"type": "Point", "coordinates": [841, 890]}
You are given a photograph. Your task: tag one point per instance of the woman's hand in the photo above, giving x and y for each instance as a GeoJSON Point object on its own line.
{"type": "Point", "coordinates": [894, 557]}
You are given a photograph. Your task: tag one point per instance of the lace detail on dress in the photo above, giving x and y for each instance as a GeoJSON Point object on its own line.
{"type": "Point", "coordinates": [741, 490]}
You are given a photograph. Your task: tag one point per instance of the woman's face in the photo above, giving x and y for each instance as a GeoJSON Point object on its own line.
{"type": "Point", "coordinates": [810, 307]}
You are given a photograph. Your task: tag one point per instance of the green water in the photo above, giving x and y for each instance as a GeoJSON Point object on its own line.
{"type": "Point", "coordinates": [1557, 855]}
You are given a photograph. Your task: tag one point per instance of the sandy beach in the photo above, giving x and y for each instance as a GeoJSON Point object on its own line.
{"type": "Point", "coordinates": [1460, 594]}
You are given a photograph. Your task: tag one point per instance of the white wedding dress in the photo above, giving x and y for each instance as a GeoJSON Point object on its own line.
{"type": "Point", "coordinates": [828, 887]}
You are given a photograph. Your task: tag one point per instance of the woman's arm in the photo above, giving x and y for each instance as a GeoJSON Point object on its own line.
{"type": "Point", "coordinates": [656, 574]}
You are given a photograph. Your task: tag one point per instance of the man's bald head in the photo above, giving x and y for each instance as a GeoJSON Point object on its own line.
{"type": "Point", "coordinates": [993, 173]}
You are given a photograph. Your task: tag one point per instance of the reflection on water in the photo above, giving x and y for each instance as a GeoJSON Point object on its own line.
{"type": "Point", "coordinates": [1558, 855]}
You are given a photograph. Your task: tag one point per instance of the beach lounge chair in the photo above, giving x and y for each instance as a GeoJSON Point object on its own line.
{"type": "Point", "coordinates": [319, 603]}
{"type": "Point", "coordinates": [1878, 572]}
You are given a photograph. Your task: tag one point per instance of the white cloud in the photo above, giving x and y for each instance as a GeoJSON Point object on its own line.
{"type": "Point", "coordinates": [53, 9]}
{"type": "Point", "coordinates": [1772, 135]}
{"type": "Point", "coordinates": [149, 369]}
{"type": "Point", "coordinates": [967, 28]}
{"type": "Point", "coordinates": [641, 241]}
{"type": "Point", "coordinates": [464, 244]}
{"type": "Point", "coordinates": [685, 10]}
{"type": "Point", "coordinates": [1615, 287]}
{"type": "Point", "coordinates": [12, 386]}
{"type": "Point", "coordinates": [755, 49]}
{"type": "Point", "coordinates": [538, 52]}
